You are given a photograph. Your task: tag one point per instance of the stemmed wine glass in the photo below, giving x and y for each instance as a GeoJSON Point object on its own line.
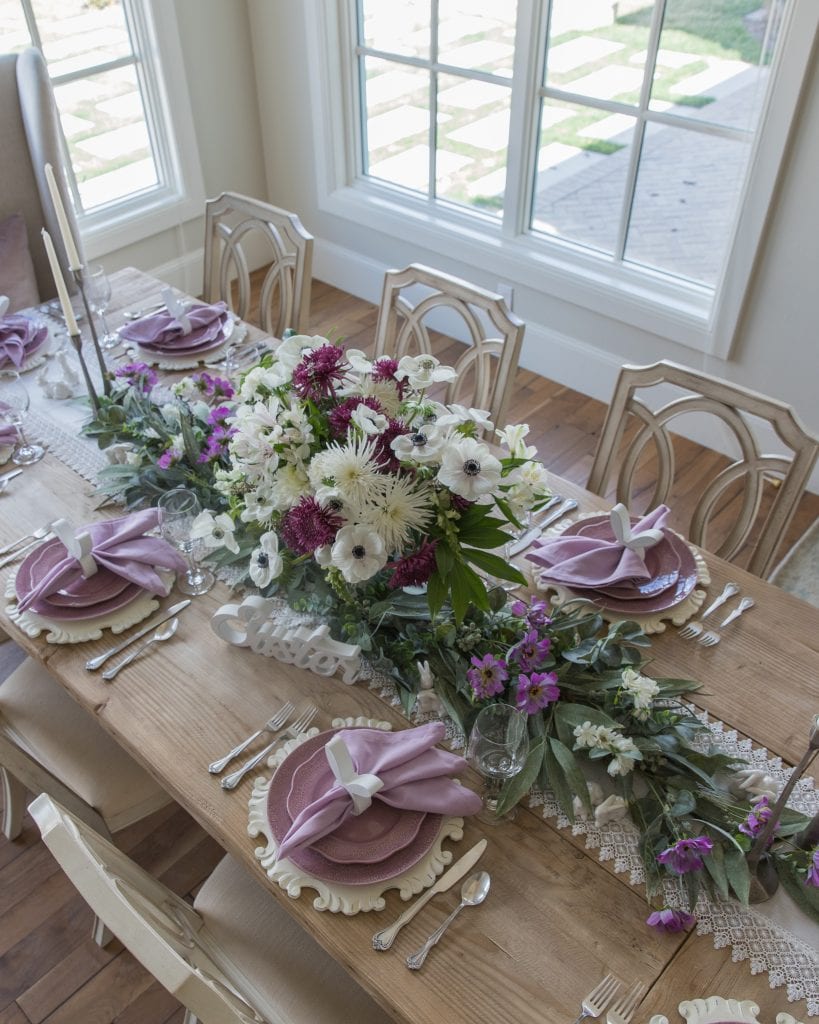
{"type": "Point", "coordinates": [14, 401]}
{"type": "Point", "coordinates": [178, 509]}
{"type": "Point", "coordinates": [98, 292]}
{"type": "Point", "coordinates": [498, 748]}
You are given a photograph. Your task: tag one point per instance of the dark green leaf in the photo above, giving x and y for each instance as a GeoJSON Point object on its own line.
{"type": "Point", "coordinates": [736, 870]}
{"type": "Point", "coordinates": [518, 786]}
{"type": "Point", "coordinates": [574, 777]}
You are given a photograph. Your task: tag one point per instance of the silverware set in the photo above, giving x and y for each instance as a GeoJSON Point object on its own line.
{"type": "Point", "coordinates": [236, 358]}
{"type": "Point", "coordinates": [24, 544]}
{"type": "Point", "coordinates": [298, 726]}
{"type": "Point", "coordinates": [529, 536]}
{"type": "Point", "coordinates": [710, 637]}
{"type": "Point", "coordinates": [94, 663]}
{"type": "Point", "coordinates": [621, 1012]}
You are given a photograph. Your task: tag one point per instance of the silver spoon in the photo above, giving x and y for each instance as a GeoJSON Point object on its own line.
{"type": "Point", "coordinates": [474, 891]}
{"type": "Point", "coordinates": [159, 635]}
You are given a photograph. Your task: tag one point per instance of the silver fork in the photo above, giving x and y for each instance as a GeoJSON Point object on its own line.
{"type": "Point", "coordinates": [623, 1011]}
{"type": "Point", "coordinates": [599, 998]}
{"type": "Point", "coordinates": [271, 725]}
{"type": "Point", "coordinates": [711, 637]}
{"type": "Point", "coordinates": [301, 723]}
{"type": "Point", "coordinates": [695, 628]}
{"type": "Point", "coordinates": [37, 536]}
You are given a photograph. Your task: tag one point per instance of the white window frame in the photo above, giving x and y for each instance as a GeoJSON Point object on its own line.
{"type": "Point", "coordinates": [697, 317]}
{"type": "Point", "coordinates": [180, 196]}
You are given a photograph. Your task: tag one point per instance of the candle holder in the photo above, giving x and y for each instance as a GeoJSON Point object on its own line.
{"type": "Point", "coordinates": [76, 341]}
{"type": "Point", "coordinates": [106, 377]}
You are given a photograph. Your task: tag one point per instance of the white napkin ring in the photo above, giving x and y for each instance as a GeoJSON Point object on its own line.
{"type": "Point", "coordinates": [78, 545]}
{"type": "Point", "coordinates": [176, 307]}
{"type": "Point", "coordinates": [4, 305]}
{"type": "Point", "coordinates": [362, 788]}
{"type": "Point", "coordinates": [636, 542]}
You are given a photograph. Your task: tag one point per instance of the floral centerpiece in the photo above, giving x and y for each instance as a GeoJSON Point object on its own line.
{"type": "Point", "coordinates": [341, 483]}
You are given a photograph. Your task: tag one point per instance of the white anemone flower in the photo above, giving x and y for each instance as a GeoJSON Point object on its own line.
{"type": "Point", "coordinates": [455, 415]}
{"type": "Point", "coordinates": [404, 506]}
{"type": "Point", "coordinates": [266, 563]}
{"type": "Point", "coordinates": [422, 371]}
{"type": "Point", "coordinates": [424, 444]}
{"type": "Point", "coordinates": [369, 421]}
{"type": "Point", "coordinates": [358, 552]}
{"type": "Point", "coordinates": [469, 469]}
{"type": "Point", "coordinates": [358, 361]}
{"type": "Point", "coordinates": [215, 531]}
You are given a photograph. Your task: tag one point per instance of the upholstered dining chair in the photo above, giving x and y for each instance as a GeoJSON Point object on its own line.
{"type": "Point", "coordinates": [486, 370]}
{"type": "Point", "coordinates": [236, 956]}
{"type": "Point", "coordinates": [239, 230]}
{"type": "Point", "coordinates": [31, 137]}
{"type": "Point", "coordinates": [682, 390]}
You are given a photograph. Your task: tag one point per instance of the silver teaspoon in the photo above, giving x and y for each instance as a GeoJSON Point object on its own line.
{"type": "Point", "coordinates": [159, 635]}
{"type": "Point", "coordinates": [474, 891]}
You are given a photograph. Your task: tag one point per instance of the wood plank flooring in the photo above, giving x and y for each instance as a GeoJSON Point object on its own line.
{"type": "Point", "coordinates": [51, 972]}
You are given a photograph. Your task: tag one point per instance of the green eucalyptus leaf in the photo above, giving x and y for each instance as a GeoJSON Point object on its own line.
{"type": "Point", "coordinates": [739, 877]}
{"type": "Point", "coordinates": [519, 785]}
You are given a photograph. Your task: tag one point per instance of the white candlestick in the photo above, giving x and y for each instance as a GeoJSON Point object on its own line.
{"type": "Point", "coordinates": [62, 291]}
{"type": "Point", "coordinates": [74, 261]}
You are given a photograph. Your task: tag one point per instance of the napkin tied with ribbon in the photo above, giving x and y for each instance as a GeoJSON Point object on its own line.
{"type": "Point", "coordinates": [200, 325]}
{"type": "Point", "coordinates": [404, 769]}
{"type": "Point", "coordinates": [19, 337]}
{"type": "Point", "coordinates": [588, 562]}
{"type": "Point", "coordinates": [119, 545]}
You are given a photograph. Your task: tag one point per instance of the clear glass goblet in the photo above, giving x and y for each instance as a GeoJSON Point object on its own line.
{"type": "Point", "coordinates": [178, 509]}
{"type": "Point", "coordinates": [498, 748]}
{"type": "Point", "coordinates": [98, 292]}
{"type": "Point", "coordinates": [14, 402]}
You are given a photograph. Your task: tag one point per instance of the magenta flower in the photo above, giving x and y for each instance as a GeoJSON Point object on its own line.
{"type": "Point", "coordinates": [415, 569]}
{"type": "Point", "coordinates": [307, 526]}
{"type": "Point", "coordinates": [534, 613]}
{"type": "Point", "coordinates": [487, 676]}
{"type": "Point", "coordinates": [137, 375]}
{"type": "Point", "coordinates": [317, 375]}
{"type": "Point", "coordinates": [756, 819]}
{"type": "Point", "coordinates": [221, 388]}
{"type": "Point", "coordinates": [218, 417]}
{"type": "Point", "coordinates": [686, 855]}
{"type": "Point", "coordinates": [536, 691]}
{"type": "Point", "coordinates": [531, 651]}
{"type": "Point", "coordinates": [385, 368]}
{"type": "Point", "coordinates": [813, 869]}
{"type": "Point", "coordinates": [668, 920]}
{"type": "Point", "coordinates": [382, 447]}
{"type": "Point", "coordinates": [168, 458]}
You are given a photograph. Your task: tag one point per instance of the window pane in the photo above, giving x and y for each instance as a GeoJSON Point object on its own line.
{"type": "Point", "coordinates": [13, 29]}
{"type": "Point", "coordinates": [477, 34]}
{"type": "Point", "coordinates": [581, 173]}
{"type": "Point", "coordinates": [104, 122]}
{"type": "Point", "coordinates": [397, 126]}
{"type": "Point", "coordinates": [595, 54]}
{"type": "Point", "coordinates": [402, 27]}
{"type": "Point", "coordinates": [712, 63]}
{"type": "Point", "coordinates": [77, 34]}
{"type": "Point", "coordinates": [685, 202]}
{"type": "Point", "coordinates": [473, 131]}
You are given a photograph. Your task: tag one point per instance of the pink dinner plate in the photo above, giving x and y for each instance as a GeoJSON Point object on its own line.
{"type": "Point", "coordinates": [100, 594]}
{"type": "Point", "coordinates": [315, 863]}
{"type": "Point", "coordinates": [366, 838]}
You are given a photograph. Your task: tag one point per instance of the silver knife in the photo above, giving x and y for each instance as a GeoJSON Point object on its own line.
{"type": "Point", "coordinates": [384, 939]}
{"type": "Point", "coordinates": [10, 476]}
{"type": "Point", "coordinates": [95, 663]}
{"type": "Point", "coordinates": [532, 535]}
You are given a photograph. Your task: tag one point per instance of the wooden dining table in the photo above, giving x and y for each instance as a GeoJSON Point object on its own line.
{"type": "Point", "coordinates": [557, 919]}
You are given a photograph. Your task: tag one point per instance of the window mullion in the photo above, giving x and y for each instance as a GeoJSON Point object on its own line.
{"type": "Point", "coordinates": [432, 186]}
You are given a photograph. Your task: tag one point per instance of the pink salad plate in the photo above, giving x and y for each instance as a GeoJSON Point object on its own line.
{"type": "Point", "coordinates": [40, 338]}
{"type": "Point", "coordinates": [100, 594]}
{"type": "Point", "coordinates": [391, 862]}
{"type": "Point", "coordinates": [669, 557]}
{"type": "Point", "coordinates": [200, 339]}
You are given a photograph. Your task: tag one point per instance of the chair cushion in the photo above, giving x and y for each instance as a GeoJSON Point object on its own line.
{"type": "Point", "coordinates": [283, 963]}
{"type": "Point", "coordinates": [17, 279]}
{"type": "Point", "coordinates": [41, 718]}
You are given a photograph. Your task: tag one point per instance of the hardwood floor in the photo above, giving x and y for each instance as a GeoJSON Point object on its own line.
{"type": "Point", "coordinates": [51, 972]}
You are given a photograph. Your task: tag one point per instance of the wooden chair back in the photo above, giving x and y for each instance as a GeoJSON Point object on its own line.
{"type": "Point", "coordinates": [234, 223]}
{"type": "Point", "coordinates": [736, 407]}
{"type": "Point", "coordinates": [160, 929]}
{"type": "Point", "coordinates": [486, 370]}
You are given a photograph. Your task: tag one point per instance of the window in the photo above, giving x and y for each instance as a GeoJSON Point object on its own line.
{"type": "Point", "coordinates": [114, 104]}
{"type": "Point", "coordinates": [622, 154]}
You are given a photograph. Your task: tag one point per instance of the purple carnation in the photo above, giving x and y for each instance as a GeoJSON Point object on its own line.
{"type": "Point", "coordinates": [536, 691]}
{"type": "Point", "coordinates": [137, 375]}
{"type": "Point", "coordinates": [757, 818]}
{"type": "Point", "coordinates": [317, 375]}
{"type": "Point", "coordinates": [487, 676]}
{"type": "Point", "coordinates": [531, 651]}
{"type": "Point", "coordinates": [415, 569]}
{"type": "Point", "coordinates": [308, 526]}
{"type": "Point", "coordinates": [686, 855]}
{"type": "Point", "coordinates": [813, 870]}
{"type": "Point", "coordinates": [668, 920]}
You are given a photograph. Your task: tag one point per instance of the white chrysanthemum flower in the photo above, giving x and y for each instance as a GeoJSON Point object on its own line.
{"type": "Point", "coordinates": [459, 414]}
{"type": "Point", "coordinates": [266, 563]}
{"type": "Point", "coordinates": [215, 531]}
{"type": "Point", "coordinates": [422, 371]}
{"type": "Point", "coordinates": [351, 468]}
{"type": "Point", "coordinates": [469, 469]}
{"type": "Point", "coordinates": [404, 506]}
{"type": "Point", "coordinates": [369, 421]}
{"type": "Point", "coordinates": [424, 444]}
{"type": "Point", "coordinates": [359, 553]}
{"type": "Point", "coordinates": [642, 689]}
{"type": "Point", "coordinates": [289, 485]}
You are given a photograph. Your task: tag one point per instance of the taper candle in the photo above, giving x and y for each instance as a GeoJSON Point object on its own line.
{"type": "Point", "coordinates": [74, 261]}
{"type": "Point", "coordinates": [62, 291]}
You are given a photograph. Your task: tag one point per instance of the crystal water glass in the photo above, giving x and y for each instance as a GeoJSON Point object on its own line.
{"type": "Point", "coordinates": [14, 402]}
{"type": "Point", "coordinates": [98, 293]}
{"type": "Point", "coordinates": [178, 509]}
{"type": "Point", "coordinates": [498, 748]}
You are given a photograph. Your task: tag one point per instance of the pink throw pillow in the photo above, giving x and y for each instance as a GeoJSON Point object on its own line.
{"type": "Point", "coordinates": [17, 279]}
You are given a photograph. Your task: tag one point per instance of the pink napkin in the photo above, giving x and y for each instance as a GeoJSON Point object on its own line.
{"type": "Point", "coordinates": [589, 562]}
{"type": "Point", "coordinates": [119, 545]}
{"type": "Point", "coordinates": [163, 333]}
{"type": "Point", "coordinates": [415, 776]}
{"type": "Point", "coordinates": [19, 337]}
